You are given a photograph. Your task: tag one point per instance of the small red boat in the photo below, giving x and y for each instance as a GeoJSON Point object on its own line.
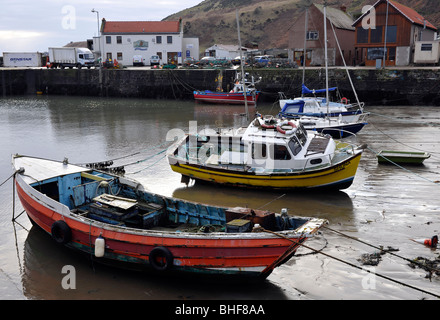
{"type": "Point", "coordinates": [115, 220]}
{"type": "Point", "coordinates": [226, 97]}
{"type": "Point", "coordinates": [235, 96]}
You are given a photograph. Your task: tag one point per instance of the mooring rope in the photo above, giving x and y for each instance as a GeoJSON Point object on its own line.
{"type": "Point", "coordinates": [381, 249]}
{"type": "Point", "coordinates": [351, 264]}
{"type": "Point", "coordinates": [15, 172]}
{"type": "Point", "coordinates": [403, 168]}
{"type": "Point", "coordinates": [395, 140]}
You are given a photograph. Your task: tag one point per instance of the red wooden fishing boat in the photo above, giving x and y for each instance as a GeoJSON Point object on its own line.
{"type": "Point", "coordinates": [226, 97]}
{"type": "Point", "coordinates": [114, 219]}
{"type": "Point", "coordinates": [235, 96]}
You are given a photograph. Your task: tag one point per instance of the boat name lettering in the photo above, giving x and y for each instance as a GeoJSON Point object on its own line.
{"type": "Point", "coordinates": [341, 166]}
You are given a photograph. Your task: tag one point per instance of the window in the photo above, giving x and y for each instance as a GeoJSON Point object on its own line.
{"type": "Point", "coordinates": [109, 56]}
{"type": "Point", "coordinates": [169, 39]}
{"type": "Point", "coordinates": [312, 35]}
{"type": "Point", "coordinates": [392, 53]}
{"type": "Point", "coordinates": [118, 39]}
{"type": "Point", "coordinates": [301, 134]}
{"type": "Point", "coordinates": [259, 151]}
{"type": "Point", "coordinates": [119, 56]}
{"type": "Point", "coordinates": [281, 152]}
{"type": "Point", "coordinates": [391, 34]}
{"type": "Point", "coordinates": [426, 47]}
{"type": "Point", "coordinates": [376, 35]}
{"type": "Point", "coordinates": [295, 146]}
{"type": "Point", "coordinates": [158, 39]}
{"type": "Point", "coordinates": [108, 39]}
{"type": "Point", "coordinates": [362, 35]}
{"type": "Point", "coordinates": [375, 53]}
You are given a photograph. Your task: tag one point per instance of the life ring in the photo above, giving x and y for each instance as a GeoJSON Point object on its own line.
{"type": "Point", "coordinates": [290, 123]}
{"type": "Point", "coordinates": [61, 232]}
{"type": "Point", "coordinates": [161, 259]}
{"type": "Point", "coordinates": [344, 100]}
{"type": "Point", "coordinates": [267, 126]}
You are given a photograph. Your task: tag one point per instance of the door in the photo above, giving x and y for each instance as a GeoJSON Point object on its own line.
{"type": "Point", "coordinates": [172, 58]}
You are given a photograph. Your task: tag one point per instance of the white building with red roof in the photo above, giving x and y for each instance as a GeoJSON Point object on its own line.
{"type": "Point", "coordinates": [127, 41]}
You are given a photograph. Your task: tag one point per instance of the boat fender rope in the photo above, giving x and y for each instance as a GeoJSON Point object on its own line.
{"type": "Point", "coordinates": [61, 232]}
{"type": "Point", "coordinates": [290, 123]}
{"type": "Point", "coordinates": [161, 259]}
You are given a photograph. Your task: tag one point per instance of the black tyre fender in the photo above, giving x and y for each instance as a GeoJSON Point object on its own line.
{"type": "Point", "coordinates": [61, 232]}
{"type": "Point", "coordinates": [166, 262]}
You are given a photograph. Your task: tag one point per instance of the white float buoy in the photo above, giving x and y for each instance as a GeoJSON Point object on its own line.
{"type": "Point", "coordinates": [99, 247]}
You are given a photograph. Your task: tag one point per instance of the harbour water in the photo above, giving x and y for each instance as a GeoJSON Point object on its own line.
{"type": "Point", "coordinates": [386, 205]}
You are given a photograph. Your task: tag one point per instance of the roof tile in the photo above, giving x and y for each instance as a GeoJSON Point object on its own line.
{"type": "Point", "coordinates": [141, 27]}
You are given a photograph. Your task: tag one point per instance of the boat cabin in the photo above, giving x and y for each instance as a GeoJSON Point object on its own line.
{"type": "Point", "coordinates": [266, 145]}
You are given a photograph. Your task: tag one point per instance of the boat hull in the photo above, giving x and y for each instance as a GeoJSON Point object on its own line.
{"type": "Point", "coordinates": [336, 177]}
{"type": "Point", "coordinates": [341, 131]}
{"type": "Point", "coordinates": [402, 157]}
{"type": "Point", "coordinates": [225, 97]}
{"type": "Point", "coordinates": [252, 254]}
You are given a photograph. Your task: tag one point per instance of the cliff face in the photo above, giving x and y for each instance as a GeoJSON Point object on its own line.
{"type": "Point", "coordinates": [267, 22]}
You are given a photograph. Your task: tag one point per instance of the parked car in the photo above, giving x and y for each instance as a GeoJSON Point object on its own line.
{"type": "Point", "coordinates": [236, 60]}
{"type": "Point", "coordinates": [207, 59]}
{"type": "Point", "coordinates": [261, 59]}
{"type": "Point", "coordinates": [138, 60]}
{"type": "Point", "coordinates": [154, 60]}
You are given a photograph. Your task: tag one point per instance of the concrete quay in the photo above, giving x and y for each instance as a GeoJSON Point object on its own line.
{"type": "Point", "coordinates": [391, 86]}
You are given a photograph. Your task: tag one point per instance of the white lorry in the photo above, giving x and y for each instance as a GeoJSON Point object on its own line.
{"type": "Point", "coordinates": [22, 59]}
{"type": "Point", "coordinates": [70, 57]}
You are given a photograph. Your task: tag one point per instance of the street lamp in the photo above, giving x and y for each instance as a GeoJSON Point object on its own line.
{"type": "Point", "coordinates": [101, 49]}
{"type": "Point", "coordinates": [97, 17]}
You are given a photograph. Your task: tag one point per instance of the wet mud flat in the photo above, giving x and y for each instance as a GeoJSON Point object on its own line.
{"type": "Point", "coordinates": [386, 206]}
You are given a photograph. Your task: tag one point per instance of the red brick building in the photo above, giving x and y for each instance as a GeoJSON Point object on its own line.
{"type": "Point", "coordinates": [344, 30]}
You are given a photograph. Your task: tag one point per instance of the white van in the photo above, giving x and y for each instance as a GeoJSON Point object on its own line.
{"type": "Point", "coordinates": [138, 60]}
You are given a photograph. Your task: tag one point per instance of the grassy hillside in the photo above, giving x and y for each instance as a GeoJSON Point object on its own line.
{"type": "Point", "coordinates": [267, 22]}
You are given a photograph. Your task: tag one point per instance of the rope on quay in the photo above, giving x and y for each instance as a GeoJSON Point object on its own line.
{"type": "Point", "coordinates": [353, 265]}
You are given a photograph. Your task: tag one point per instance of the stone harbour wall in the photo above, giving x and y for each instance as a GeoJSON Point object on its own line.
{"type": "Point", "coordinates": [409, 86]}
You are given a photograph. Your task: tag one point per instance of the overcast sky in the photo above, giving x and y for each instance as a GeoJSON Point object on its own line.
{"type": "Point", "coordinates": [35, 25]}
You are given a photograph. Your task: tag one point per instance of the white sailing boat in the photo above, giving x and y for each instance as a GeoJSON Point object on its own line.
{"type": "Point", "coordinates": [339, 119]}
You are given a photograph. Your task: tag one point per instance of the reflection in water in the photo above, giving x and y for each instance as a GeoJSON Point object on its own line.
{"type": "Point", "coordinates": [385, 205]}
{"type": "Point", "coordinates": [42, 279]}
{"type": "Point", "coordinates": [334, 205]}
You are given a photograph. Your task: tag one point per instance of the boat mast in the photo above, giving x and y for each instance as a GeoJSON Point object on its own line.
{"type": "Point", "coordinates": [242, 68]}
{"type": "Point", "coordinates": [326, 57]}
{"type": "Point", "coordinates": [385, 38]}
{"type": "Point", "coordinates": [305, 51]}
{"type": "Point", "coordinates": [326, 62]}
